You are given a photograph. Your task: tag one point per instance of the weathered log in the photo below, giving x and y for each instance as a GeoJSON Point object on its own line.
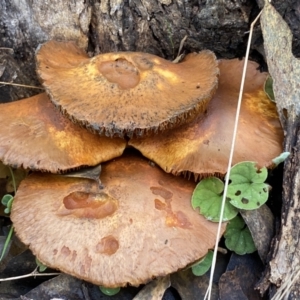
{"type": "Point", "coordinates": [285, 70]}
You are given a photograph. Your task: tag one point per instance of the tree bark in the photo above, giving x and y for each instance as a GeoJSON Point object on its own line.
{"type": "Point", "coordinates": [155, 26]}
{"type": "Point", "coordinates": [285, 70]}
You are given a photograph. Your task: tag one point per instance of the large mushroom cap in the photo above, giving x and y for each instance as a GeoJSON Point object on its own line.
{"type": "Point", "coordinates": [34, 135]}
{"type": "Point", "coordinates": [139, 226]}
{"type": "Point", "coordinates": [126, 93]}
{"type": "Point", "coordinates": [203, 146]}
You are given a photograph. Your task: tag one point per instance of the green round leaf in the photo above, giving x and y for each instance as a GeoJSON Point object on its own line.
{"type": "Point", "coordinates": [203, 265]}
{"type": "Point", "coordinates": [9, 204]}
{"type": "Point", "coordinates": [109, 291]}
{"type": "Point", "coordinates": [247, 171]}
{"type": "Point", "coordinates": [268, 88]}
{"type": "Point", "coordinates": [208, 197]}
{"type": "Point", "coordinates": [6, 199]}
{"type": "Point", "coordinates": [247, 189]}
{"type": "Point", "coordinates": [238, 237]}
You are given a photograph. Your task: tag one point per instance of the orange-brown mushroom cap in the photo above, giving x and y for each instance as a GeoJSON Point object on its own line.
{"type": "Point", "coordinates": [139, 226]}
{"type": "Point", "coordinates": [34, 135]}
{"type": "Point", "coordinates": [202, 147]}
{"type": "Point", "coordinates": [126, 93]}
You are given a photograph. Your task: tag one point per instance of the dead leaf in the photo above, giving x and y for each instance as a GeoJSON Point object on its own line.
{"type": "Point", "coordinates": [60, 287]}
{"type": "Point", "coordinates": [238, 282]}
{"type": "Point", "coordinates": [92, 173]}
{"type": "Point", "coordinates": [194, 287]}
{"type": "Point", "coordinates": [261, 225]}
{"type": "Point", "coordinates": [154, 290]}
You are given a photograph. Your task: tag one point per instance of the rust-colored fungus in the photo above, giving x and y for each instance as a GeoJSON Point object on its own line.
{"type": "Point", "coordinates": [34, 135]}
{"type": "Point", "coordinates": [142, 226]}
{"type": "Point", "coordinates": [126, 93]}
{"type": "Point", "coordinates": [202, 147]}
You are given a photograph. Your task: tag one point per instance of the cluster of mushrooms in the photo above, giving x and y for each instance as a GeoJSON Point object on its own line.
{"type": "Point", "coordinates": [134, 222]}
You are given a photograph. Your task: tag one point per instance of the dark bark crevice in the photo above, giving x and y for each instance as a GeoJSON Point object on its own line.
{"type": "Point", "coordinates": [157, 28]}
{"type": "Point", "coordinates": [285, 255]}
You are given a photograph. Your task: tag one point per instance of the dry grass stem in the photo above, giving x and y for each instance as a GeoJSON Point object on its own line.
{"type": "Point", "coordinates": [34, 273]}
{"type": "Point", "coordinates": [21, 85]}
{"type": "Point", "coordinates": [179, 54]}
{"type": "Point", "coordinates": [209, 289]}
{"type": "Point", "coordinates": [283, 291]}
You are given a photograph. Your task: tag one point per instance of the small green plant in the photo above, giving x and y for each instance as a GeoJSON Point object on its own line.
{"type": "Point", "coordinates": [208, 197]}
{"type": "Point", "coordinates": [7, 201]}
{"type": "Point", "coordinates": [109, 291]}
{"type": "Point", "coordinates": [40, 265]}
{"type": "Point", "coordinates": [201, 267]}
{"type": "Point", "coordinates": [247, 190]}
{"type": "Point", "coordinates": [238, 237]}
